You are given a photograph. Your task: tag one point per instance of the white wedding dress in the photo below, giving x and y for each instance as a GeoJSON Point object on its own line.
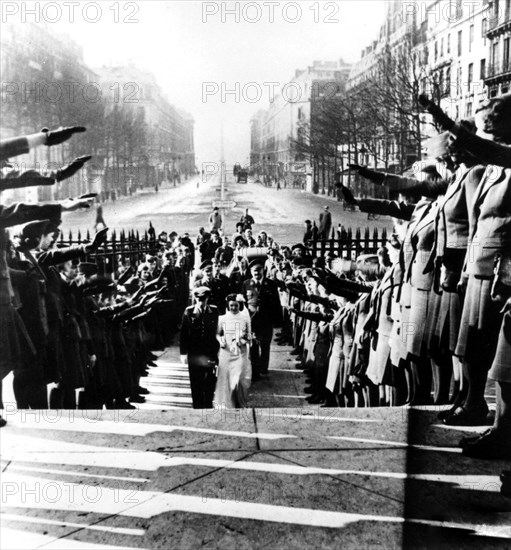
{"type": "Point", "coordinates": [234, 368]}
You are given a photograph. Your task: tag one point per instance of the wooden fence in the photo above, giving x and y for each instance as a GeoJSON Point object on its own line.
{"type": "Point", "coordinates": [349, 246]}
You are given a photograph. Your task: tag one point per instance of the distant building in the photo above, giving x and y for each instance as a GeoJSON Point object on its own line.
{"type": "Point", "coordinates": [274, 130]}
{"type": "Point", "coordinates": [159, 143]}
{"type": "Point", "coordinates": [43, 81]}
{"type": "Point", "coordinates": [498, 34]}
{"type": "Point", "coordinates": [461, 53]}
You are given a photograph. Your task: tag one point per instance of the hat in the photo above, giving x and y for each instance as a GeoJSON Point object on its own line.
{"type": "Point", "coordinates": [206, 263]}
{"type": "Point", "coordinates": [326, 208]}
{"type": "Point", "coordinates": [308, 221]}
{"type": "Point", "coordinates": [257, 261]}
{"type": "Point", "coordinates": [298, 246]}
{"type": "Point", "coordinates": [87, 268]}
{"type": "Point", "coordinates": [201, 291]}
{"type": "Point", "coordinates": [35, 229]}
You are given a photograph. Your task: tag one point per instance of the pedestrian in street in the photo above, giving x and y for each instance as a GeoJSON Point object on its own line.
{"type": "Point", "coordinates": [307, 235]}
{"type": "Point", "coordinates": [325, 223]}
{"type": "Point", "coordinates": [199, 347]}
{"type": "Point", "coordinates": [247, 220]}
{"type": "Point", "coordinates": [263, 302]}
{"type": "Point", "coordinates": [215, 220]}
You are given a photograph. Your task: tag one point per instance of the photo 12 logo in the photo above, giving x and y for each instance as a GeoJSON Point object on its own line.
{"type": "Point", "coordinates": [53, 12]}
{"type": "Point", "coordinates": [269, 12]}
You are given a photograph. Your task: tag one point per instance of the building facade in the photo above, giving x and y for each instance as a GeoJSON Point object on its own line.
{"type": "Point", "coordinates": [460, 54]}
{"type": "Point", "coordinates": [136, 137]}
{"type": "Point", "coordinates": [290, 120]}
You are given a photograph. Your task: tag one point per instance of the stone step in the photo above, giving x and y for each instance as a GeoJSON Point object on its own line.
{"type": "Point", "coordinates": [154, 381]}
{"type": "Point", "coordinates": [168, 399]}
{"type": "Point", "coordinates": [169, 390]}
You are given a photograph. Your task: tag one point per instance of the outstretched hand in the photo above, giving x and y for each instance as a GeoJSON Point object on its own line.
{"type": "Point", "coordinates": [375, 177]}
{"type": "Point", "coordinates": [99, 239]}
{"type": "Point", "coordinates": [61, 134]}
{"type": "Point", "coordinates": [445, 122]}
{"type": "Point", "coordinates": [70, 205]}
{"type": "Point", "coordinates": [71, 168]}
{"type": "Point", "coordinates": [348, 195]}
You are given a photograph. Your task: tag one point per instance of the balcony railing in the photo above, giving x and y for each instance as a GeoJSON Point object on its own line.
{"type": "Point", "coordinates": [498, 21]}
{"type": "Point", "coordinates": [497, 69]}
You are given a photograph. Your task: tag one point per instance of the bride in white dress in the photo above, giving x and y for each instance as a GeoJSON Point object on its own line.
{"type": "Point", "coordinates": [234, 368]}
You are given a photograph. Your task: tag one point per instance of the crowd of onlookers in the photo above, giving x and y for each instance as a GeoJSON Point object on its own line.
{"type": "Point", "coordinates": [424, 320]}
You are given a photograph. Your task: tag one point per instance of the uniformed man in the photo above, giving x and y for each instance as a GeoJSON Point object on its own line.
{"type": "Point", "coordinates": [199, 347]}
{"type": "Point", "coordinates": [263, 304]}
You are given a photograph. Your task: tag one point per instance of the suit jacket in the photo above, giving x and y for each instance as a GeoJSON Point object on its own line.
{"type": "Point", "coordinates": [491, 232]}
{"type": "Point", "coordinates": [325, 222]}
{"type": "Point", "coordinates": [263, 304]}
{"type": "Point", "coordinates": [454, 210]}
{"type": "Point", "coordinates": [422, 239]}
{"type": "Point", "coordinates": [198, 333]}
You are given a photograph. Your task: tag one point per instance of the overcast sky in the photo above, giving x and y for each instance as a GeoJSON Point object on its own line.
{"type": "Point", "coordinates": [187, 44]}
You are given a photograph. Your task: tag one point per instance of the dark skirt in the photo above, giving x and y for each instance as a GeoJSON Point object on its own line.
{"type": "Point", "coordinates": [501, 368]}
{"type": "Point", "coordinates": [480, 322]}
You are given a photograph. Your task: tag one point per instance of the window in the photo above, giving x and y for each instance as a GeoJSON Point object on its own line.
{"type": "Point", "coordinates": [495, 54]}
{"type": "Point", "coordinates": [448, 43]}
{"type": "Point", "coordinates": [436, 51]}
{"type": "Point", "coordinates": [470, 77]}
{"type": "Point", "coordinates": [468, 110]}
{"type": "Point", "coordinates": [460, 41]}
{"type": "Point", "coordinates": [484, 27]}
{"type": "Point", "coordinates": [470, 38]}
{"type": "Point", "coordinates": [482, 69]}
{"type": "Point", "coordinates": [448, 81]}
{"type": "Point", "coordinates": [459, 81]}
{"type": "Point", "coordinates": [442, 47]}
{"type": "Point", "coordinates": [505, 58]}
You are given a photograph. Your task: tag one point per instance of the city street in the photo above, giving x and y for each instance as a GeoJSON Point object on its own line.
{"type": "Point", "coordinates": [187, 207]}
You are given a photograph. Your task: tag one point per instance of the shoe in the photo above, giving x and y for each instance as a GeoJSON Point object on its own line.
{"type": "Point", "coordinates": [505, 478]}
{"type": "Point", "coordinates": [137, 399]}
{"type": "Point", "coordinates": [142, 391]}
{"type": "Point", "coordinates": [264, 375]}
{"type": "Point", "coordinates": [472, 438]}
{"type": "Point", "coordinates": [315, 399]}
{"type": "Point", "coordinates": [152, 356]}
{"type": "Point", "coordinates": [490, 446]}
{"type": "Point", "coordinates": [442, 415]}
{"type": "Point", "coordinates": [3, 422]}
{"type": "Point", "coordinates": [309, 389]}
{"type": "Point", "coordinates": [465, 417]}
{"type": "Point", "coordinates": [151, 364]}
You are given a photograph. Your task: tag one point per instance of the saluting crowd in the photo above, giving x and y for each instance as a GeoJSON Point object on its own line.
{"type": "Point", "coordinates": [431, 311]}
{"type": "Point", "coordinates": [424, 320]}
{"type": "Point", "coordinates": [80, 323]}
{"type": "Point", "coordinates": [427, 319]}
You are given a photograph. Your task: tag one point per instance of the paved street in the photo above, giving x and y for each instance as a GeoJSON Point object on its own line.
{"type": "Point", "coordinates": [186, 208]}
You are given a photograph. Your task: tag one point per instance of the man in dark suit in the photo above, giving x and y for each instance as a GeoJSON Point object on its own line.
{"type": "Point", "coordinates": [199, 347]}
{"type": "Point", "coordinates": [263, 304]}
{"type": "Point", "coordinates": [325, 223]}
